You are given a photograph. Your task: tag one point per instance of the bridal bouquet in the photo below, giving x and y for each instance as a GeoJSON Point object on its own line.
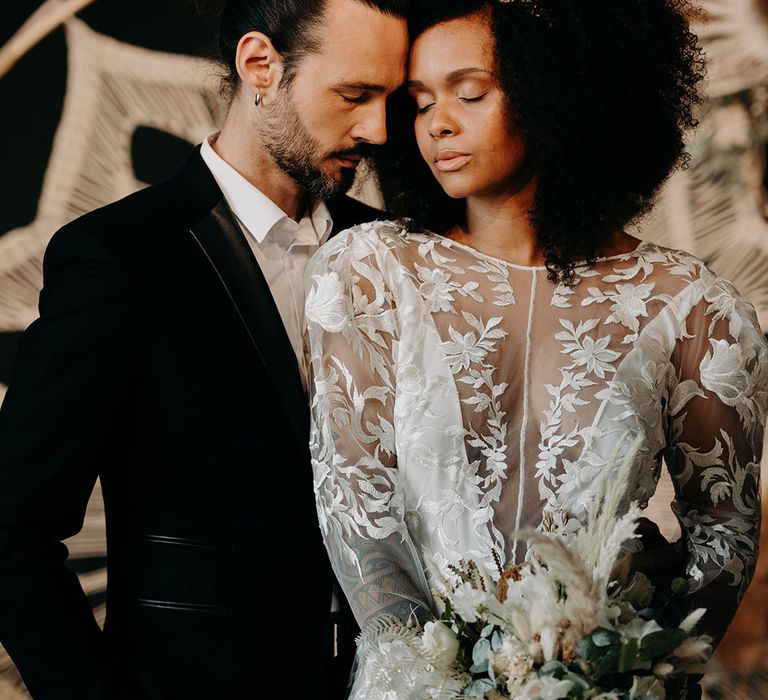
{"type": "Point", "coordinates": [567, 623]}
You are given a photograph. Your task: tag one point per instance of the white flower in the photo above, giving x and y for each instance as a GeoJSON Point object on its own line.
{"type": "Point", "coordinates": [436, 288]}
{"type": "Point", "coordinates": [440, 643]}
{"type": "Point", "coordinates": [693, 648]}
{"type": "Point", "coordinates": [723, 372]}
{"type": "Point", "coordinates": [394, 665]}
{"type": "Point", "coordinates": [629, 304]}
{"type": "Point", "coordinates": [663, 670]}
{"type": "Point", "coordinates": [637, 628]}
{"type": "Point", "coordinates": [647, 685]}
{"type": "Point", "coordinates": [466, 600]}
{"type": "Point", "coordinates": [544, 688]}
{"type": "Point", "coordinates": [512, 660]}
{"type": "Point", "coordinates": [463, 350]}
{"type": "Point", "coordinates": [595, 355]}
{"type": "Point", "coordinates": [692, 620]}
{"type": "Point", "coordinates": [327, 304]}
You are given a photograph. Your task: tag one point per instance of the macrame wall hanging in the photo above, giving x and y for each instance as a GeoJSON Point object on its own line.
{"type": "Point", "coordinates": [717, 208]}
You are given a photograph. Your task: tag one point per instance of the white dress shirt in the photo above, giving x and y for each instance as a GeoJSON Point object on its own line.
{"type": "Point", "coordinates": [282, 246]}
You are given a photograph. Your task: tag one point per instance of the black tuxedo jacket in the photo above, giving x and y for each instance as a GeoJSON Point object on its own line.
{"type": "Point", "coordinates": [160, 363]}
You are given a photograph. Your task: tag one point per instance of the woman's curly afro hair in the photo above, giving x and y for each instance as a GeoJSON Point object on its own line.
{"type": "Point", "coordinates": [602, 92]}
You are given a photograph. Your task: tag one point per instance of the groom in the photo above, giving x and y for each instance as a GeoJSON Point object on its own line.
{"type": "Point", "coordinates": [168, 361]}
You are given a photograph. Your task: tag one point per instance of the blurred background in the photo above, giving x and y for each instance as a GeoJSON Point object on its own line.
{"type": "Point", "coordinates": [102, 97]}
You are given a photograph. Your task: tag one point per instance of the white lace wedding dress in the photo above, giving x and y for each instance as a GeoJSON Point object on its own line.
{"type": "Point", "coordinates": [457, 397]}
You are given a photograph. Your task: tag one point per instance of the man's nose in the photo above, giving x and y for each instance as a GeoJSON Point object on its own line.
{"type": "Point", "coordinates": [372, 127]}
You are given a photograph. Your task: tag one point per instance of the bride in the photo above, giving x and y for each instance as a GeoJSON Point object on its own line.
{"type": "Point", "coordinates": [476, 366]}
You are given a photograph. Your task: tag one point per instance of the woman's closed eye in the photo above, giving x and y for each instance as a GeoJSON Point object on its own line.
{"type": "Point", "coordinates": [421, 109]}
{"type": "Point", "coordinates": [472, 99]}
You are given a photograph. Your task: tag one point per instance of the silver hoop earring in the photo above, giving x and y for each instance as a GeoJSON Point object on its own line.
{"type": "Point", "coordinates": [257, 101]}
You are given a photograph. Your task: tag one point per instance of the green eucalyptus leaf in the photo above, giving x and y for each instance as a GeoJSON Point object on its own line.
{"type": "Point", "coordinates": [628, 656]}
{"type": "Point", "coordinates": [608, 664]}
{"type": "Point", "coordinates": [553, 668]}
{"type": "Point", "coordinates": [604, 638]}
{"type": "Point", "coordinates": [578, 680]}
{"type": "Point", "coordinates": [481, 651]}
{"type": "Point", "coordinates": [478, 688]}
{"type": "Point", "coordinates": [661, 643]}
{"type": "Point", "coordinates": [497, 640]}
{"type": "Point", "coordinates": [479, 668]}
{"type": "Point", "coordinates": [588, 650]}
{"type": "Point", "coordinates": [648, 613]}
{"type": "Point", "coordinates": [487, 631]}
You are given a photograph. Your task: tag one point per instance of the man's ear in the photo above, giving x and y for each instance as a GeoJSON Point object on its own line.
{"type": "Point", "coordinates": [259, 65]}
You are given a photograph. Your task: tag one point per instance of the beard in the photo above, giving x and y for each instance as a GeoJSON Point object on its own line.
{"type": "Point", "coordinates": [298, 153]}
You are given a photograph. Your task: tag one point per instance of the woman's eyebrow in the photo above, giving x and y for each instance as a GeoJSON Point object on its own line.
{"type": "Point", "coordinates": [452, 77]}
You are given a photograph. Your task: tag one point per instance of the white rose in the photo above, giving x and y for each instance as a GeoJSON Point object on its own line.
{"type": "Point", "coordinates": [440, 643]}
{"type": "Point", "coordinates": [466, 600]}
{"type": "Point", "coordinates": [545, 688]}
{"type": "Point", "coordinates": [327, 304]}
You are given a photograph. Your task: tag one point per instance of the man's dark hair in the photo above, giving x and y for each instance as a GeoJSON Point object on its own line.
{"type": "Point", "coordinates": [292, 26]}
{"type": "Point", "coordinates": [601, 92]}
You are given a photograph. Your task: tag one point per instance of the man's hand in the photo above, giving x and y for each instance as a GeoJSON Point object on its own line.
{"type": "Point", "coordinates": [659, 560]}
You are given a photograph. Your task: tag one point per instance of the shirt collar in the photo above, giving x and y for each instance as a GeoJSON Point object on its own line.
{"type": "Point", "coordinates": [257, 213]}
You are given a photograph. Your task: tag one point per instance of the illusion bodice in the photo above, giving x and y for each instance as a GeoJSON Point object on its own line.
{"type": "Point", "coordinates": [459, 397]}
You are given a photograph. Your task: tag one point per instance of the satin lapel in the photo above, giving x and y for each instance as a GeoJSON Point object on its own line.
{"type": "Point", "coordinates": [226, 248]}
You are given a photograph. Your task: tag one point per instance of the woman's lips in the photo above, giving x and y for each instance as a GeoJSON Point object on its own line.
{"type": "Point", "coordinates": [450, 161]}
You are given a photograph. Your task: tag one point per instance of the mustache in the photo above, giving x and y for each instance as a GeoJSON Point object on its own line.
{"type": "Point", "coordinates": [363, 150]}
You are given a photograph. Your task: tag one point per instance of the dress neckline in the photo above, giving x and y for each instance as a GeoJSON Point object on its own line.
{"type": "Point", "coordinates": [450, 242]}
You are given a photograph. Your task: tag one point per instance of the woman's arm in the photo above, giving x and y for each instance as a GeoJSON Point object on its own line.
{"type": "Point", "coordinates": [353, 335]}
{"type": "Point", "coordinates": [716, 419]}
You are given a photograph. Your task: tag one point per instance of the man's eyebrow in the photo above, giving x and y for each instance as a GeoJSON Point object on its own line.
{"type": "Point", "coordinates": [452, 77]}
{"type": "Point", "coordinates": [371, 87]}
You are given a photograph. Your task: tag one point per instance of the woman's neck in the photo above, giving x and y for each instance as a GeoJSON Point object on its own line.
{"type": "Point", "coordinates": [500, 226]}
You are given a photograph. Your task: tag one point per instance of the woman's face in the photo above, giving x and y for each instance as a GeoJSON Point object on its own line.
{"type": "Point", "coordinates": [462, 127]}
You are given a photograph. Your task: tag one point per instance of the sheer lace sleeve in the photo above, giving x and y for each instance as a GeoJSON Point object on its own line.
{"type": "Point", "coordinates": [716, 418]}
{"type": "Point", "coordinates": [353, 337]}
